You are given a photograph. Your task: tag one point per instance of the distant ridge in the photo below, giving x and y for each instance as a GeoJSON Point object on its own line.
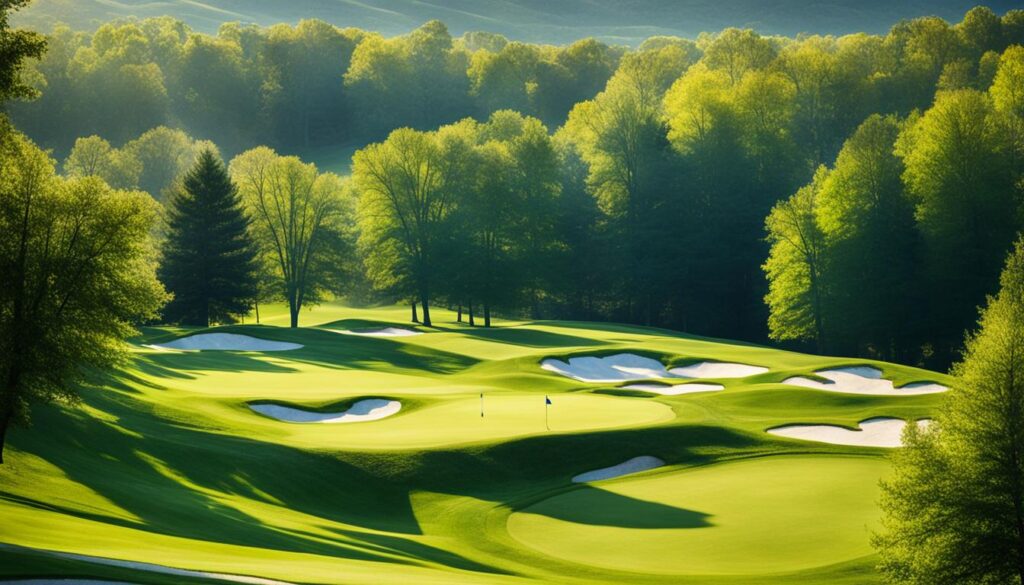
{"type": "Point", "coordinates": [548, 21]}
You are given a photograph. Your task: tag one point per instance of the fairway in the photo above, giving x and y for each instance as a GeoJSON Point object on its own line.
{"type": "Point", "coordinates": [167, 463]}
{"type": "Point", "coordinates": [764, 515]}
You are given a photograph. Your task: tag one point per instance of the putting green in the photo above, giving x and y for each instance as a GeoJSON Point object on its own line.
{"type": "Point", "coordinates": [764, 515]}
{"type": "Point", "coordinates": [458, 421]}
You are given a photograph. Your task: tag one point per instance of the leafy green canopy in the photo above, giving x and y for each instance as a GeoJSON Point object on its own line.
{"type": "Point", "coordinates": [301, 218]}
{"type": "Point", "coordinates": [16, 45]}
{"type": "Point", "coordinates": [954, 511]}
{"type": "Point", "coordinates": [77, 265]}
{"type": "Point", "coordinates": [209, 258]}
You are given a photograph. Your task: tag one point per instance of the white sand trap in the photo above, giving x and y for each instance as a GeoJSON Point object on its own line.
{"type": "Point", "coordinates": [362, 411]}
{"type": "Point", "coordinates": [675, 390]}
{"type": "Point", "coordinates": [634, 465]}
{"type": "Point", "coordinates": [863, 380]}
{"type": "Point", "coordinates": [613, 368]}
{"type": "Point", "coordinates": [383, 332]}
{"type": "Point", "coordinates": [717, 370]}
{"type": "Point", "coordinates": [227, 341]}
{"type": "Point", "coordinates": [627, 366]}
{"type": "Point", "coordinates": [147, 567]}
{"type": "Point", "coordinates": [874, 432]}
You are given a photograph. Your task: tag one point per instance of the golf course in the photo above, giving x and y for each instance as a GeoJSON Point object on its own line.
{"type": "Point", "coordinates": [360, 449]}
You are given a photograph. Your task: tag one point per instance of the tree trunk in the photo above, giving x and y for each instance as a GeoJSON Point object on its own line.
{"type": "Point", "coordinates": [472, 317]}
{"type": "Point", "coordinates": [293, 310]}
{"type": "Point", "coordinates": [415, 316]}
{"type": "Point", "coordinates": [5, 421]}
{"type": "Point", "coordinates": [425, 301]}
{"type": "Point", "coordinates": [459, 319]}
{"type": "Point", "coordinates": [487, 314]}
{"type": "Point", "coordinates": [257, 303]}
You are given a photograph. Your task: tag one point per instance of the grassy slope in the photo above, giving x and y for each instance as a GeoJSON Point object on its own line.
{"type": "Point", "coordinates": [166, 464]}
{"type": "Point", "coordinates": [554, 22]}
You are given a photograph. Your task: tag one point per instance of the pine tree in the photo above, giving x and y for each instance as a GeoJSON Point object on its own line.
{"type": "Point", "coordinates": [209, 259]}
{"type": "Point", "coordinates": [954, 509]}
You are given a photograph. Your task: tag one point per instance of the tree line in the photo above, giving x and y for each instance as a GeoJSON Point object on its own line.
{"type": "Point", "coordinates": [641, 197]}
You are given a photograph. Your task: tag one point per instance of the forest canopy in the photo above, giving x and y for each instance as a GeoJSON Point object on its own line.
{"type": "Point", "coordinates": [738, 185]}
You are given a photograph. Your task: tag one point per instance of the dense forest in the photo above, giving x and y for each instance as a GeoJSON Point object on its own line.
{"type": "Point", "coordinates": [856, 195]}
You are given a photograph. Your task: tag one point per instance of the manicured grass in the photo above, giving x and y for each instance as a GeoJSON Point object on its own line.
{"type": "Point", "coordinates": [164, 462]}
{"type": "Point", "coordinates": [763, 515]}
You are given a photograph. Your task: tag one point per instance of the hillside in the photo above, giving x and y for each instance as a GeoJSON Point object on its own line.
{"type": "Point", "coordinates": [181, 461]}
{"type": "Point", "coordinates": [627, 22]}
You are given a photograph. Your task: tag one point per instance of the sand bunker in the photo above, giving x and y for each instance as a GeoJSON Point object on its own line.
{"type": "Point", "coordinates": [626, 366]}
{"type": "Point", "coordinates": [675, 390]}
{"type": "Point", "coordinates": [717, 370]}
{"type": "Point", "coordinates": [634, 465]}
{"type": "Point", "coordinates": [863, 380]}
{"type": "Point", "coordinates": [361, 411]}
{"type": "Point", "coordinates": [147, 567]}
{"type": "Point", "coordinates": [874, 432]}
{"type": "Point", "coordinates": [612, 368]}
{"type": "Point", "coordinates": [227, 342]}
{"type": "Point", "coordinates": [383, 332]}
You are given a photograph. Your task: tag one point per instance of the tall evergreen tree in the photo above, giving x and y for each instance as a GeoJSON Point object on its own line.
{"type": "Point", "coordinates": [954, 508]}
{"type": "Point", "coordinates": [209, 259]}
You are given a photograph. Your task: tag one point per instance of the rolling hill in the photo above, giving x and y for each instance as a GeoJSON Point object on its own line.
{"type": "Point", "coordinates": [625, 22]}
{"type": "Point", "coordinates": [237, 466]}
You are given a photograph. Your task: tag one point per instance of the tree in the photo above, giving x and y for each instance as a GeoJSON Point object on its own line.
{"type": "Point", "coordinates": [408, 186]}
{"type": "Point", "coordinates": [209, 259]}
{"type": "Point", "coordinates": [16, 46]}
{"type": "Point", "coordinates": [503, 224]}
{"type": "Point", "coordinates": [165, 155]}
{"type": "Point", "coordinates": [93, 156]}
{"type": "Point", "coordinates": [737, 51]}
{"type": "Point", "coordinates": [871, 245]}
{"type": "Point", "coordinates": [217, 91]}
{"type": "Point", "coordinates": [622, 138]}
{"type": "Point", "coordinates": [959, 175]}
{"type": "Point", "coordinates": [954, 508]}
{"type": "Point", "coordinates": [303, 70]}
{"type": "Point", "coordinates": [76, 263]}
{"type": "Point", "coordinates": [296, 212]}
{"type": "Point", "coordinates": [795, 267]}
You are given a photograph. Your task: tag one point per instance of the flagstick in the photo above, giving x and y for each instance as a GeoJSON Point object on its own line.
{"type": "Point", "coordinates": [481, 405]}
{"type": "Point", "coordinates": [546, 406]}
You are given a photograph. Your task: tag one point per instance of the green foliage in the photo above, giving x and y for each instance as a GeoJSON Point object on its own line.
{"type": "Point", "coordinates": [408, 186]}
{"type": "Point", "coordinates": [94, 157]}
{"type": "Point", "coordinates": [668, 159]}
{"type": "Point", "coordinates": [299, 218]}
{"type": "Point", "coordinates": [16, 46]}
{"type": "Point", "coordinates": [78, 272]}
{"type": "Point", "coordinates": [954, 510]}
{"type": "Point", "coordinates": [960, 177]}
{"type": "Point", "coordinates": [872, 248]}
{"type": "Point", "coordinates": [796, 265]}
{"type": "Point", "coordinates": [164, 155]}
{"type": "Point", "coordinates": [209, 259]}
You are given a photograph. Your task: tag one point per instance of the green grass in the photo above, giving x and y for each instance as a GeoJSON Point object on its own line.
{"type": "Point", "coordinates": [164, 462]}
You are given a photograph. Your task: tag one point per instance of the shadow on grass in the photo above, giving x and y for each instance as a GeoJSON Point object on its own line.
{"type": "Point", "coordinates": [320, 348]}
{"type": "Point", "coordinates": [526, 337]}
{"type": "Point", "coordinates": [179, 481]}
{"type": "Point", "coordinates": [598, 507]}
